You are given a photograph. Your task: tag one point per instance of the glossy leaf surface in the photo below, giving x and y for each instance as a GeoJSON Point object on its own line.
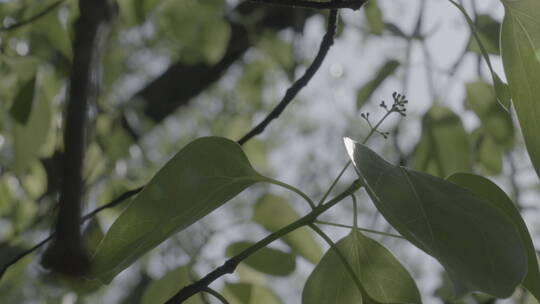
{"type": "Point", "coordinates": [485, 188]}
{"type": "Point", "coordinates": [520, 50]}
{"type": "Point", "coordinates": [382, 277]}
{"type": "Point", "coordinates": [477, 244]}
{"type": "Point", "coordinates": [198, 179]}
{"type": "Point", "coordinates": [267, 260]}
{"type": "Point", "coordinates": [274, 212]}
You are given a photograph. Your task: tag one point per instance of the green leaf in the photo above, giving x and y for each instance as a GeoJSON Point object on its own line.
{"type": "Point", "coordinates": [488, 31]}
{"type": "Point", "coordinates": [501, 89]}
{"type": "Point", "coordinates": [495, 120]}
{"type": "Point", "coordinates": [273, 213]}
{"type": "Point", "coordinates": [486, 189]}
{"type": "Point", "coordinates": [520, 46]}
{"type": "Point", "coordinates": [476, 243]}
{"type": "Point", "coordinates": [374, 17]}
{"type": "Point", "coordinates": [382, 277]}
{"type": "Point", "coordinates": [198, 179]}
{"type": "Point", "coordinates": [196, 28]}
{"type": "Point", "coordinates": [267, 260]}
{"type": "Point", "coordinates": [22, 106]}
{"type": "Point", "coordinates": [444, 146]}
{"type": "Point", "coordinates": [30, 137]}
{"type": "Point", "coordinates": [490, 155]}
{"type": "Point", "coordinates": [245, 293]}
{"type": "Point", "coordinates": [159, 291]}
{"type": "Point", "coordinates": [365, 92]}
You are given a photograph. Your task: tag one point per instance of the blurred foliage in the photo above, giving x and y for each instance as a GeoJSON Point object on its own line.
{"type": "Point", "coordinates": [147, 42]}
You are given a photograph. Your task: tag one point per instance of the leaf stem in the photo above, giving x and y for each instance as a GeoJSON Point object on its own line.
{"type": "Point", "coordinates": [359, 228]}
{"type": "Point", "coordinates": [230, 265]}
{"type": "Point", "coordinates": [291, 188]}
{"type": "Point", "coordinates": [340, 255]}
{"type": "Point", "coordinates": [216, 295]}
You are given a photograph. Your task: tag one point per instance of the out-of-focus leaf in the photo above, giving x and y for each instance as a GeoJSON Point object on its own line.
{"type": "Point", "coordinates": [29, 138]}
{"type": "Point", "coordinates": [488, 31]}
{"type": "Point", "coordinates": [267, 260]}
{"type": "Point", "coordinates": [197, 29]}
{"type": "Point", "coordinates": [277, 49]}
{"type": "Point", "coordinates": [486, 189]}
{"type": "Point", "coordinates": [365, 92]}
{"type": "Point", "coordinates": [495, 120]}
{"type": "Point", "coordinates": [94, 163]}
{"type": "Point", "coordinates": [35, 181]}
{"type": "Point", "coordinates": [245, 293]}
{"type": "Point", "coordinates": [198, 179]}
{"type": "Point", "coordinates": [374, 17]}
{"type": "Point", "coordinates": [477, 244]}
{"type": "Point", "coordinates": [488, 154]}
{"type": "Point", "coordinates": [160, 290]}
{"type": "Point", "coordinates": [22, 105]}
{"type": "Point", "coordinates": [50, 27]}
{"type": "Point", "coordinates": [382, 277]}
{"type": "Point", "coordinates": [274, 212]}
{"type": "Point", "coordinates": [520, 50]}
{"type": "Point", "coordinates": [501, 89]}
{"type": "Point", "coordinates": [444, 146]}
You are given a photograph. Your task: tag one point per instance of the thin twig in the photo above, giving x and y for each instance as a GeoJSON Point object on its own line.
{"type": "Point", "coordinates": [123, 197]}
{"type": "Point", "coordinates": [326, 43]}
{"type": "Point", "coordinates": [359, 228]}
{"type": "Point", "coordinates": [352, 4]}
{"type": "Point", "coordinates": [230, 265]}
{"type": "Point", "coordinates": [33, 18]}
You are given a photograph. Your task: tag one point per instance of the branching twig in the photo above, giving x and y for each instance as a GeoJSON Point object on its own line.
{"type": "Point", "coordinates": [230, 265]}
{"type": "Point", "coordinates": [352, 4]}
{"type": "Point", "coordinates": [33, 18]}
{"type": "Point", "coordinates": [326, 43]}
{"type": "Point", "coordinates": [123, 197]}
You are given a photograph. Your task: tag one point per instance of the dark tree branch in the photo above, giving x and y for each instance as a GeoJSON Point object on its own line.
{"type": "Point", "coordinates": [326, 43]}
{"type": "Point", "coordinates": [123, 197]}
{"type": "Point", "coordinates": [66, 254]}
{"type": "Point", "coordinates": [352, 4]}
{"type": "Point", "coordinates": [230, 265]}
{"type": "Point", "coordinates": [33, 18]}
{"type": "Point", "coordinates": [181, 82]}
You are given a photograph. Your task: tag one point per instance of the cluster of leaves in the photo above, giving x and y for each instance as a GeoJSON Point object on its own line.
{"type": "Point", "coordinates": [463, 220]}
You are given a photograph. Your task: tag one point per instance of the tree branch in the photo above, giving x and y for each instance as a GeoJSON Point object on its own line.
{"type": "Point", "coordinates": [230, 265]}
{"type": "Point", "coordinates": [181, 82]}
{"type": "Point", "coordinates": [33, 18]}
{"type": "Point", "coordinates": [352, 4]}
{"type": "Point", "coordinates": [66, 254]}
{"type": "Point", "coordinates": [123, 197]}
{"type": "Point", "coordinates": [326, 43]}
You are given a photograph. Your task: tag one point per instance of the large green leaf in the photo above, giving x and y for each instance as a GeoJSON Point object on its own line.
{"type": "Point", "coordinates": [198, 179]}
{"type": "Point", "coordinates": [268, 260]}
{"type": "Point", "coordinates": [444, 146]}
{"type": "Point", "coordinates": [477, 244]}
{"type": "Point", "coordinates": [520, 50]}
{"type": "Point", "coordinates": [486, 189]}
{"type": "Point", "coordinates": [245, 293]}
{"type": "Point", "coordinates": [382, 277]}
{"type": "Point", "coordinates": [365, 92]}
{"type": "Point", "coordinates": [495, 120]}
{"type": "Point", "coordinates": [160, 290]}
{"type": "Point", "coordinates": [274, 212]}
